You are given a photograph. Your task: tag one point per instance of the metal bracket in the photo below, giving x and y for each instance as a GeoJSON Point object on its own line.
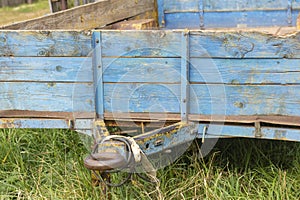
{"type": "Point", "coordinates": [184, 107]}
{"type": "Point", "coordinates": [258, 132]}
{"type": "Point", "coordinates": [204, 133]}
{"type": "Point", "coordinates": [289, 12]}
{"type": "Point", "coordinates": [98, 74]}
{"type": "Point", "coordinates": [201, 13]}
{"type": "Point", "coordinates": [161, 13]}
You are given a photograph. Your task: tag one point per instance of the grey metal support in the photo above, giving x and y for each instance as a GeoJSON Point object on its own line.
{"type": "Point", "coordinates": [201, 13]}
{"type": "Point", "coordinates": [184, 88]}
{"type": "Point", "coordinates": [289, 12]}
{"type": "Point", "coordinates": [161, 13]}
{"type": "Point", "coordinates": [98, 74]}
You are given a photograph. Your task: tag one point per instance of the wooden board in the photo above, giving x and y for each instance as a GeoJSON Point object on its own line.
{"type": "Point", "coordinates": [239, 76]}
{"type": "Point", "coordinates": [132, 43]}
{"type": "Point", "coordinates": [139, 24]}
{"type": "Point", "coordinates": [55, 97]}
{"type": "Point", "coordinates": [202, 70]}
{"type": "Point", "coordinates": [45, 43]}
{"type": "Point", "coordinates": [205, 99]}
{"type": "Point", "coordinates": [204, 44]}
{"type": "Point", "coordinates": [46, 69]}
{"type": "Point", "coordinates": [222, 14]}
{"type": "Point", "coordinates": [86, 17]}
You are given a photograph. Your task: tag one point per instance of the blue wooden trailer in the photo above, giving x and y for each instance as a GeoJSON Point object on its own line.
{"type": "Point", "coordinates": [211, 69]}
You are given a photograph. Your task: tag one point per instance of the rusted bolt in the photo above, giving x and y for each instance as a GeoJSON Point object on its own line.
{"type": "Point", "coordinates": [97, 41]}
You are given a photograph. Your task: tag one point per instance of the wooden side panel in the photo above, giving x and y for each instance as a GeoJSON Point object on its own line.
{"type": "Point", "coordinates": [86, 17]}
{"type": "Point", "coordinates": [46, 74]}
{"type": "Point", "coordinates": [231, 73]}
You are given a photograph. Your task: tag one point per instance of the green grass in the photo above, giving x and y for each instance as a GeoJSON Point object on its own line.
{"type": "Point", "coordinates": [24, 12]}
{"type": "Point", "coordinates": [48, 164]}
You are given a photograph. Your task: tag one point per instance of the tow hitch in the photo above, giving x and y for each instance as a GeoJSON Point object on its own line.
{"type": "Point", "coordinates": [116, 153]}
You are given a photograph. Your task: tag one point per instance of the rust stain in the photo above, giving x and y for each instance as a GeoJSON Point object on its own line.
{"type": "Point", "coordinates": [8, 123]}
{"type": "Point", "coordinates": [280, 134]}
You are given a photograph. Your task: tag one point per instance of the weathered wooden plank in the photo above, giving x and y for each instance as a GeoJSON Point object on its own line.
{"type": "Point", "coordinates": [46, 114]}
{"type": "Point", "coordinates": [87, 16]}
{"type": "Point", "coordinates": [230, 19]}
{"type": "Point", "coordinates": [142, 98]}
{"type": "Point", "coordinates": [45, 43]}
{"type": "Point", "coordinates": [56, 69]}
{"type": "Point", "coordinates": [244, 44]}
{"type": "Point", "coordinates": [203, 70]}
{"type": "Point", "coordinates": [51, 97]}
{"type": "Point", "coordinates": [139, 24]}
{"type": "Point", "coordinates": [245, 71]}
{"type": "Point", "coordinates": [35, 123]}
{"type": "Point", "coordinates": [215, 44]}
{"type": "Point", "coordinates": [232, 5]}
{"type": "Point", "coordinates": [153, 43]}
{"type": "Point", "coordinates": [245, 100]}
{"type": "Point", "coordinates": [204, 99]}
{"type": "Point", "coordinates": [141, 70]}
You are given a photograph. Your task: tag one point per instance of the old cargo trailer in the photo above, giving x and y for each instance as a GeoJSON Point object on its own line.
{"type": "Point", "coordinates": [210, 69]}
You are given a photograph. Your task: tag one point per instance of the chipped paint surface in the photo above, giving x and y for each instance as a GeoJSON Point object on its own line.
{"type": "Point", "coordinates": [35, 123]}
{"type": "Point", "coordinates": [259, 75]}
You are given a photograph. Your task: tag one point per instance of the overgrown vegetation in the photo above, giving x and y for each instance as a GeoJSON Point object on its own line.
{"type": "Point", "coordinates": [23, 12]}
{"type": "Point", "coordinates": [48, 164]}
